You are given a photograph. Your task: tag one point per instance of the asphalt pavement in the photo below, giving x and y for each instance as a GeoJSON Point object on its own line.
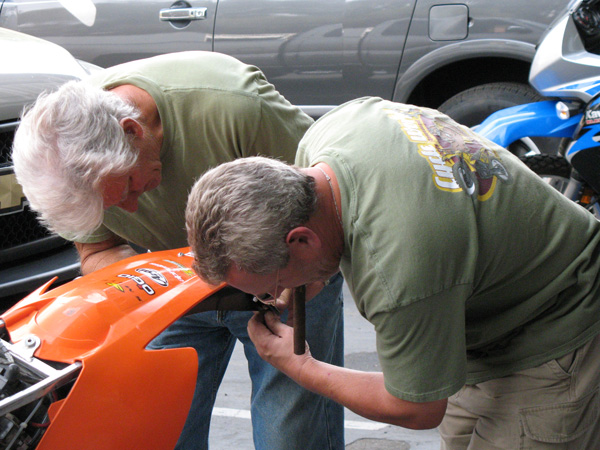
{"type": "Point", "coordinates": [231, 427]}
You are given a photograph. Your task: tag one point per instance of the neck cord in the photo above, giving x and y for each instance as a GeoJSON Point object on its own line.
{"type": "Point", "coordinates": [337, 211]}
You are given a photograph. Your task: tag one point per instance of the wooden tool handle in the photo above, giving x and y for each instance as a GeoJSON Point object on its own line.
{"type": "Point", "coordinates": [299, 303]}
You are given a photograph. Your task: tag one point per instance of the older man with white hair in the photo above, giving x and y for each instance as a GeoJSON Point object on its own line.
{"type": "Point", "coordinates": [110, 160]}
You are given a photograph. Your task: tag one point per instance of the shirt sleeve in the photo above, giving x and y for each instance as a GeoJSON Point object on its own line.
{"type": "Point", "coordinates": [422, 347]}
{"type": "Point", "coordinates": [99, 235]}
{"type": "Point", "coordinates": [281, 125]}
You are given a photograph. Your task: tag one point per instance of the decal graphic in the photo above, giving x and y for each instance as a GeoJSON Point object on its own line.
{"type": "Point", "coordinates": [185, 269]}
{"type": "Point", "coordinates": [170, 270]}
{"type": "Point", "coordinates": [592, 116]}
{"type": "Point", "coordinates": [117, 286]}
{"type": "Point", "coordinates": [155, 276]}
{"type": "Point", "coordinates": [458, 160]}
{"type": "Point", "coordinates": [139, 282]}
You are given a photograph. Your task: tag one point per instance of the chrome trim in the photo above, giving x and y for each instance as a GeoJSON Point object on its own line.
{"type": "Point", "coordinates": [40, 389]}
{"type": "Point", "coordinates": [169, 14]}
{"type": "Point", "coordinates": [9, 125]}
{"type": "Point", "coordinates": [52, 379]}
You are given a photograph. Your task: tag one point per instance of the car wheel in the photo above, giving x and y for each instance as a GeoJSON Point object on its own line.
{"type": "Point", "coordinates": [472, 106]}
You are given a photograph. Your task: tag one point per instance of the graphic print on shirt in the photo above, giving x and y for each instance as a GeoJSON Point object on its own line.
{"type": "Point", "coordinates": [459, 161]}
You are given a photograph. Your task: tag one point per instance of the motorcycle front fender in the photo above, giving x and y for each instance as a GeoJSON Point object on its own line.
{"type": "Point", "coordinates": [529, 120]}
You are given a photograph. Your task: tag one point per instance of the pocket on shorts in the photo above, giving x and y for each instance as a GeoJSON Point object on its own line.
{"type": "Point", "coordinates": [560, 423]}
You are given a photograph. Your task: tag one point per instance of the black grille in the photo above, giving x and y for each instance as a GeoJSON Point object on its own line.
{"type": "Point", "coordinates": [21, 227]}
{"type": "Point", "coordinates": [6, 141]}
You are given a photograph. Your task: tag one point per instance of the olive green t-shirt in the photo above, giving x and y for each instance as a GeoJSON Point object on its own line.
{"type": "Point", "coordinates": [468, 265]}
{"type": "Point", "coordinates": [213, 109]}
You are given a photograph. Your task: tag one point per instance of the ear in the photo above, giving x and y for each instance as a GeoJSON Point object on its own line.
{"type": "Point", "coordinates": [132, 127]}
{"type": "Point", "coordinates": [303, 242]}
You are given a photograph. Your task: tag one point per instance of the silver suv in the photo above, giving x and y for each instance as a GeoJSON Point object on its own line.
{"type": "Point", "coordinates": [320, 52]}
{"type": "Point", "coordinates": [29, 255]}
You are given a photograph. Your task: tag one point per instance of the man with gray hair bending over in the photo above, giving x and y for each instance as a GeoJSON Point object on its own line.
{"type": "Point", "coordinates": [110, 160]}
{"type": "Point", "coordinates": [481, 280]}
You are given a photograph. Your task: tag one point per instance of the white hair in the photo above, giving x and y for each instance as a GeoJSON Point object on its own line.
{"type": "Point", "coordinates": [241, 212]}
{"type": "Point", "coordinates": [66, 143]}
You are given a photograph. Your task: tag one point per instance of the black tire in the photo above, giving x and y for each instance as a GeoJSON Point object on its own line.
{"type": "Point", "coordinates": [554, 169]}
{"type": "Point", "coordinates": [472, 106]}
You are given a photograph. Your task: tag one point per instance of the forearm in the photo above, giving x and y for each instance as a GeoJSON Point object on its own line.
{"type": "Point", "coordinates": [364, 393]}
{"type": "Point", "coordinates": [96, 256]}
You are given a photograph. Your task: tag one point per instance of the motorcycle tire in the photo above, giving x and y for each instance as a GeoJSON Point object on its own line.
{"type": "Point", "coordinates": [554, 169]}
{"type": "Point", "coordinates": [472, 106]}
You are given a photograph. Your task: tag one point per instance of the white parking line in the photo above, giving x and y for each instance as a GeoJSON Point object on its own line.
{"type": "Point", "coordinates": [350, 424]}
{"type": "Point", "coordinates": [230, 412]}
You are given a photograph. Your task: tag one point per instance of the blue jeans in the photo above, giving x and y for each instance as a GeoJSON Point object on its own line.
{"type": "Point", "coordinates": [284, 415]}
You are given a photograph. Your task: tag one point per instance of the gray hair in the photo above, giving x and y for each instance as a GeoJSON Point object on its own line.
{"type": "Point", "coordinates": [67, 142]}
{"type": "Point", "coordinates": [241, 212]}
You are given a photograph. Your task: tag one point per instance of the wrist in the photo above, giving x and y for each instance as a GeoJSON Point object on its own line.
{"type": "Point", "coordinates": [307, 371]}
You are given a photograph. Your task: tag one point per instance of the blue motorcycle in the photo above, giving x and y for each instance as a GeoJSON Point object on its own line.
{"type": "Point", "coordinates": [566, 70]}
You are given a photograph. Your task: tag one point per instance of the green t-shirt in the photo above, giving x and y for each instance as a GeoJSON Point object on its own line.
{"type": "Point", "coordinates": [460, 287]}
{"type": "Point", "coordinates": [213, 109]}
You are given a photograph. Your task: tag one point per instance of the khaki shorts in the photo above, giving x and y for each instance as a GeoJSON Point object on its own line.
{"type": "Point", "coordinates": [554, 406]}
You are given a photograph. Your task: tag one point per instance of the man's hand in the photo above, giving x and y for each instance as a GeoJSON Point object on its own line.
{"type": "Point", "coordinates": [274, 342]}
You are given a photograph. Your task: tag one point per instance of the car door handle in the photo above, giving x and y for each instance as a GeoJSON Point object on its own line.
{"type": "Point", "coordinates": [170, 14]}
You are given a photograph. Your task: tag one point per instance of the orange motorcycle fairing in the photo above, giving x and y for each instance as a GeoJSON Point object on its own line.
{"type": "Point", "coordinates": [94, 331]}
